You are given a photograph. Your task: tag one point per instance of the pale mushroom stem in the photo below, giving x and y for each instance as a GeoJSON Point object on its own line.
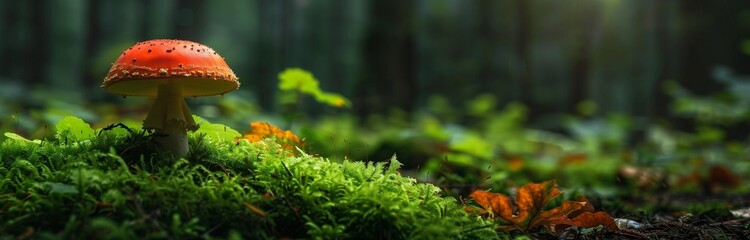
{"type": "Point", "coordinates": [171, 119]}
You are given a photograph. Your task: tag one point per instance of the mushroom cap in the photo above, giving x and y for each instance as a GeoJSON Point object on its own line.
{"type": "Point", "coordinates": [198, 69]}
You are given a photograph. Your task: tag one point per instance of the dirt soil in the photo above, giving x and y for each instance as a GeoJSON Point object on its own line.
{"type": "Point", "coordinates": [714, 222]}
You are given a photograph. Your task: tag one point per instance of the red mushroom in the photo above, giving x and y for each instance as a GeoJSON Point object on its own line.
{"type": "Point", "coordinates": [170, 70]}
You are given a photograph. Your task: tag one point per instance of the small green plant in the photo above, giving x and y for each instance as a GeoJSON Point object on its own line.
{"type": "Point", "coordinates": [294, 84]}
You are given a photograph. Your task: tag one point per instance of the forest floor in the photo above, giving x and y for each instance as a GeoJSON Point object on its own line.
{"type": "Point", "coordinates": [712, 222]}
{"type": "Point", "coordinates": [117, 184]}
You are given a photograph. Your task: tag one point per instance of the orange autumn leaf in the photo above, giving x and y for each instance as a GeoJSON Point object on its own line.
{"type": "Point", "coordinates": [262, 130]}
{"type": "Point", "coordinates": [591, 219]}
{"type": "Point", "coordinates": [531, 202]}
{"type": "Point", "coordinates": [587, 208]}
{"type": "Point", "coordinates": [588, 219]}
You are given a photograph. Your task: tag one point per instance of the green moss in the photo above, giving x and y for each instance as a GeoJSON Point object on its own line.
{"type": "Point", "coordinates": [122, 186]}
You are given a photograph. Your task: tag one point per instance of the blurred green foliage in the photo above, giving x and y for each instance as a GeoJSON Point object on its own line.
{"type": "Point", "coordinates": [478, 144]}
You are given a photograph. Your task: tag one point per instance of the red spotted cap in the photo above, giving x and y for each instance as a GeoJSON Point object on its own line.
{"type": "Point", "coordinates": [142, 68]}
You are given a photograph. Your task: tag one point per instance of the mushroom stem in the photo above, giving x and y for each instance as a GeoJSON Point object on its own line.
{"type": "Point", "coordinates": [173, 137]}
{"type": "Point", "coordinates": [171, 119]}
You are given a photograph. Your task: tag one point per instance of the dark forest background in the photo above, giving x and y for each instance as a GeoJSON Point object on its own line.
{"type": "Point", "coordinates": [383, 54]}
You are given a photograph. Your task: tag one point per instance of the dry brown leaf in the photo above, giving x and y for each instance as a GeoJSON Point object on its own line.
{"type": "Point", "coordinates": [720, 176]}
{"type": "Point", "coordinates": [589, 220]}
{"type": "Point", "coordinates": [531, 201]}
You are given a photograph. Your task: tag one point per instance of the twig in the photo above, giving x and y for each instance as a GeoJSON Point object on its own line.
{"type": "Point", "coordinates": [730, 222]}
{"type": "Point", "coordinates": [113, 126]}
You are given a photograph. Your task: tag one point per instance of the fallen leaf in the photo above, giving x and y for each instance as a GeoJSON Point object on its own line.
{"type": "Point", "coordinates": [720, 176]}
{"type": "Point", "coordinates": [496, 204]}
{"type": "Point", "coordinates": [531, 202]}
{"type": "Point", "coordinates": [262, 130]}
{"type": "Point", "coordinates": [590, 220]}
{"type": "Point", "coordinates": [588, 208]}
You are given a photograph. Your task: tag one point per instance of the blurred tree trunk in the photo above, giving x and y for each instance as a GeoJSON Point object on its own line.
{"type": "Point", "coordinates": [665, 53]}
{"type": "Point", "coordinates": [695, 47]}
{"type": "Point", "coordinates": [67, 33]}
{"type": "Point", "coordinates": [583, 29]}
{"type": "Point", "coordinates": [121, 24]}
{"type": "Point", "coordinates": [159, 20]}
{"type": "Point", "coordinates": [579, 72]}
{"type": "Point", "coordinates": [8, 13]}
{"type": "Point", "coordinates": [35, 46]}
{"type": "Point", "coordinates": [523, 56]}
{"type": "Point", "coordinates": [489, 43]}
{"type": "Point", "coordinates": [271, 49]}
{"type": "Point", "coordinates": [349, 61]}
{"type": "Point", "coordinates": [388, 79]}
{"type": "Point", "coordinates": [333, 31]}
{"type": "Point", "coordinates": [91, 42]}
{"type": "Point", "coordinates": [729, 29]}
{"type": "Point", "coordinates": [232, 30]}
{"type": "Point", "coordinates": [336, 36]}
{"type": "Point", "coordinates": [315, 21]}
{"type": "Point", "coordinates": [190, 18]}
{"type": "Point", "coordinates": [487, 35]}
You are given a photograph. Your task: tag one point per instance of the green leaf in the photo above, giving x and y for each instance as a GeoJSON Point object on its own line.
{"type": "Point", "coordinates": [475, 145]}
{"type": "Point", "coordinates": [332, 99]}
{"type": "Point", "coordinates": [21, 138]}
{"type": "Point", "coordinates": [297, 79]}
{"type": "Point", "coordinates": [215, 131]}
{"type": "Point", "coordinates": [74, 128]}
{"type": "Point", "coordinates": [482, 105]}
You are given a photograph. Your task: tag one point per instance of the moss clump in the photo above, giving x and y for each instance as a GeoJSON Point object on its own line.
{"type": "Point", "coordinates": [121, 186]}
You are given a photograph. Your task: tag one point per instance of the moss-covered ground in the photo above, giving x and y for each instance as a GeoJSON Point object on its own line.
{"type": "Point", "coordinates": [119, 185]}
